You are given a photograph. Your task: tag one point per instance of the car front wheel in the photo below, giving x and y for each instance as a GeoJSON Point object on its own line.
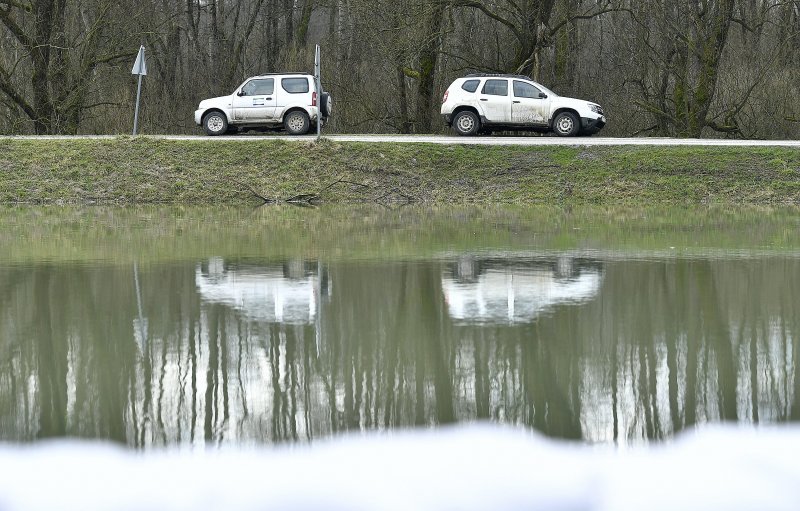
{"type": "Point", "coordinates": [297, 123]}
{"type": "Point", "coordinates": [566, 124]}
{"type": "Point", "coordinates": [215, 123]}
{"type": "Point", "coordinates": [466, 123]}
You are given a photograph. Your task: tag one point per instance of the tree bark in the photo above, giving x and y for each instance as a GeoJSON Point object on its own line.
{"type": "Point", "coordinates": [428, 59]}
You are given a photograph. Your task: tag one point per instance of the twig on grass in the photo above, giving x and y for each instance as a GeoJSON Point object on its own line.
{"type": "Point", "coordinates": [267, 200]}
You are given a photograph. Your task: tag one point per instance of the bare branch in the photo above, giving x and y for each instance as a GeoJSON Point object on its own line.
{"type": "Point", "coordinates": [266, 200]}
{"type": "Point", "coordinates": [15, 29]}
{"type": "Point", "coordinates": [8, 88]}
{"type": "Point", "coordinates": [479, 5]}
{"type": "Point", "coordinates": [26, 6]}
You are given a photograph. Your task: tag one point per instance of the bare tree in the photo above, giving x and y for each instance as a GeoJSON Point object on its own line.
{"type": "Point", "coordinates": [64, 45]}
{"type": "Point", "coordinates": [693, 68]}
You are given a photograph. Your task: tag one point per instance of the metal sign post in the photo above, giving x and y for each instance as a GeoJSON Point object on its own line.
{"type": "Point", "coordinates": [319, 91]}
{"type": "Point", "coordinates": [139, 324]}
{"type": "Point", "coordinates": [139, 68]}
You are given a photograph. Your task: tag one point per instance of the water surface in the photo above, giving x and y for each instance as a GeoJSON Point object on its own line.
{"type": "Point", "coordinates": [153, 326]}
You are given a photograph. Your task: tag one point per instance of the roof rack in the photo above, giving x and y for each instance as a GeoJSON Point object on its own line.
{"type": "Point", "coordinates": [498, 75]}
{"type": "Point", "coordinates": [284, 73]}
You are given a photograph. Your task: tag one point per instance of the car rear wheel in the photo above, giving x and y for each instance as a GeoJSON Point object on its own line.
{"type": "Point", "coordinates": [566, 124]}
{"type": "Point", "coordinates": [297, 123]}
{"type": "Point", "coordinates": [215, 123]}
{"type": "Point", "coordinates": [466, 123]}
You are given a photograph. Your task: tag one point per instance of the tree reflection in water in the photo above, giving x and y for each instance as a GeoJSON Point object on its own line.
{"type": "Point", "coordinates": [249, 351]}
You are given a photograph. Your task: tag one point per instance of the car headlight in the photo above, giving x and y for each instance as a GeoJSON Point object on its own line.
{"type": "Point", "coordinates": [596, 109]}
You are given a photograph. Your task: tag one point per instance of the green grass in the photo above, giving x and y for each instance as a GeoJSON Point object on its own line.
{"type": "Point", "coordinates": [369, 231]}
{"type": "Point", "coordinates": [145, 170]}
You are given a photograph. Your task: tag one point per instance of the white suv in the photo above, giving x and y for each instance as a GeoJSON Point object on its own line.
{"type": "Point", "coordinates": [267, 101]}
{"type": "Point", "coordinates": [482, 103]}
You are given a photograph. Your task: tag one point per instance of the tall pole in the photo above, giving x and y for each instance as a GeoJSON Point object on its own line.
{"type": "Point", "coordinates": [317, 66]}
{"type": "Point", "coordinates": [139, 68]}
{"type": "Point", "coordinates": [136, 114]}
{"type": "Point", "coordinates": [140, 325]}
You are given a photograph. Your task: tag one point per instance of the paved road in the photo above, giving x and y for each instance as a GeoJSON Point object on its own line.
{"type": "Point", "coordinates": [494, 140]}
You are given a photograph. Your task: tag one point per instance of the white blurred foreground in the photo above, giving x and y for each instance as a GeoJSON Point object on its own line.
{"type": "Point", "coordinates": [476, 467]}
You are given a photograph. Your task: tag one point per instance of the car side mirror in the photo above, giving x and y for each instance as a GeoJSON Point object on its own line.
{"type": "Point", "coordinates": [542, 95]}
{"type": "Point", "coordinates": [240, 93]}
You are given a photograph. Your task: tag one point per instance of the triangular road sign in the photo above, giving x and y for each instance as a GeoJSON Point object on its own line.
{"type": "Point", "coordinates": [140, 66]}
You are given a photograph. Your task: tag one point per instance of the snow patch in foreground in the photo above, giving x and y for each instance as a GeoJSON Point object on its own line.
{"type": "Point", "coordinates": [464, 468]}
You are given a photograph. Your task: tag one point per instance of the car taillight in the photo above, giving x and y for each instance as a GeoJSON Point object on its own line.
{"type": "Point", "coordinates": [446, 93]}
{"type": "Point", "coordinates": [313, 99]}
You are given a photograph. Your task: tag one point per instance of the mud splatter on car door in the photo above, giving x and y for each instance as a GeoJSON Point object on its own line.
{"type": "Point", "coordinates": [530, 105]}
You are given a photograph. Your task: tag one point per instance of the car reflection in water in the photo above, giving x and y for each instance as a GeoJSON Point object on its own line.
{"type": "Point", "coordinates": [509, 291]}
{"type": "Point", "coordinates": [287, 293]}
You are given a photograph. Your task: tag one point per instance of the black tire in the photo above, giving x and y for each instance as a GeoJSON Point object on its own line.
{"type": "Point", "coordinates": [467, 123]}
{"type": "Point", "coordinates": [326, 105]}
{"type": "Point", "coordinates": [296, 122]}
{"type": "Point", "coordinates": [215, 123]}
{"type": "Point", "coordinates": [566, 124]}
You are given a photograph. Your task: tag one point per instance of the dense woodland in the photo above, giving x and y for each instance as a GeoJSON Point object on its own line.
{"type": "Point", "coordinates": [723, 68]}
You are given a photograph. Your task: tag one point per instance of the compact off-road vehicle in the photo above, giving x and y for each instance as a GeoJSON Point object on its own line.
{"type": "Point", "coordinates": [271, 101]}
{"type": "Point", "coordinates": [480, 104]}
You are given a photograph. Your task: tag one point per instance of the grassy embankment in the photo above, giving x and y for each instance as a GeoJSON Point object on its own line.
{"type": "Point", "coordinates": [144, 170]}
{"type": "Point", "coordinates": [155, 233]}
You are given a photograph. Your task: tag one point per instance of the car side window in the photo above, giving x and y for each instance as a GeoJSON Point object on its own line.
{"type": "Point", "coordinates": [525, 90]}
{"type": "Point", "coordinates": [259, 87]}
{"type": "Point", "coordinates": [295, 85]}
{"type": "Point", "coordinates": [471, 85]}
{"type": "Point", "coordinates": [496, 87]}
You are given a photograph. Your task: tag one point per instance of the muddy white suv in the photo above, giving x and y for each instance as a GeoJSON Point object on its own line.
{"type": "Point", "coordinates": [480, 104]}
{"type": "Point", "coordinates": [269, 101]}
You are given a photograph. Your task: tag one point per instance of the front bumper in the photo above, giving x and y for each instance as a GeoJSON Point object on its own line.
{"type": "Point", "coordinates": [589, 125]}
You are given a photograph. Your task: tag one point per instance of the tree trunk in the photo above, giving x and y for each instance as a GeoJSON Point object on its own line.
{"type": "Point", "coordinates": [405, 123]}
{"type": "Point", "coordinates": [695, 40]}
{"type": "Point", "coordinates": [301, 34]}
{"type": "Point", "coordinates": [428, 58]}
{"type": "Point", "coordinates": [40, 56]}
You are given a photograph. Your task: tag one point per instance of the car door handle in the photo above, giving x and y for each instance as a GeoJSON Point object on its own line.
{"type": "Point", "coordinates": [516, 101]}
{"type": "Point", "coordinates": [484, 99]}
{"type": "Point", "coordinates": [269, 99]}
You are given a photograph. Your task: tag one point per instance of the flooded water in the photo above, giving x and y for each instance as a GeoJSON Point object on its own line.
{"type": "Point", "coordinates": [164, 326]}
